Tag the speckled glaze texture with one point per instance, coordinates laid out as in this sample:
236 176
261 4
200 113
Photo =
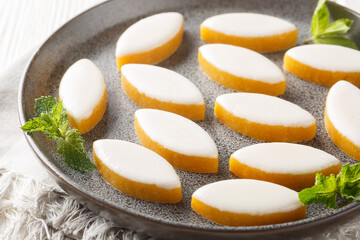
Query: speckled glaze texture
94 35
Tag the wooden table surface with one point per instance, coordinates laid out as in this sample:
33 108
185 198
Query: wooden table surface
24 24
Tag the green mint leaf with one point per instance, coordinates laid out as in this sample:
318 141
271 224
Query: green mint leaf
336 40
340 26
324 33
349 182
42 124
44 105
57 115
324 191
320 19
73 152
51 119
33 125
60 118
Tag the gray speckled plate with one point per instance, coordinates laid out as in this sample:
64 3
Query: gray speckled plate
93 35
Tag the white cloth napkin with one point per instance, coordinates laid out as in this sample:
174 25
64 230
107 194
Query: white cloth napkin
15 153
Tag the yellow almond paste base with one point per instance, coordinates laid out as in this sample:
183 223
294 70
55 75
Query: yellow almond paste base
347 146
238 83
86 125
237 219
259 44
178 160
191 111
155 55
147 192
264 132
296 182
321 77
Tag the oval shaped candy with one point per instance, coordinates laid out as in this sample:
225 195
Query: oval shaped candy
287 164
324 64
342 117
241 69
264 117
156 87
150 40
83 93
137 171
258 32
179 140
246 202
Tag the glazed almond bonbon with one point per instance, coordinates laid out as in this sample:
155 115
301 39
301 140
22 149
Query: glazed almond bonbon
137 171
258 32
150 40
241 69
179 140
287 164
247 202
83 93
265 118
159 88
324 64
342 117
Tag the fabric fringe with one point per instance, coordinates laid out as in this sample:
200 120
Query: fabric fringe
31 209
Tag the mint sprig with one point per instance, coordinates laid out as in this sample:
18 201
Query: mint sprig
51 119
348 182
326 189
324 32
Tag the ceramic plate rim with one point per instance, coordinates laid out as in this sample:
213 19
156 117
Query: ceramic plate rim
51 168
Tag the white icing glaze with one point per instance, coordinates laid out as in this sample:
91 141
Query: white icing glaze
248 196
242 62
162 84
343 109
285 158
264 109
327 57
136 163
248 25
149 33
81 89
176 133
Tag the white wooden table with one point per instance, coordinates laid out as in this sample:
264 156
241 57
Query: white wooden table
24 24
